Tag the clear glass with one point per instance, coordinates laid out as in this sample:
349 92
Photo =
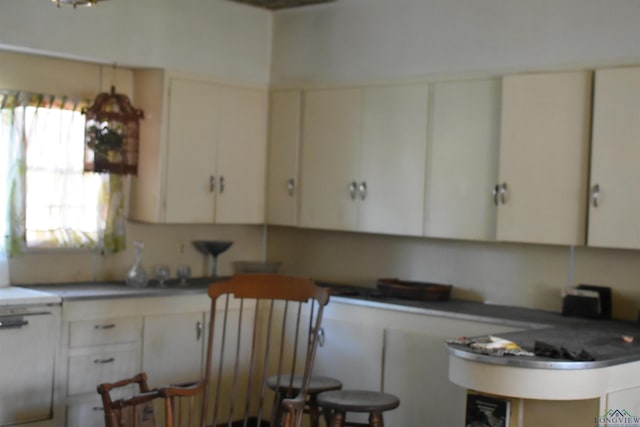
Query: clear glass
183 272
162 273
137 277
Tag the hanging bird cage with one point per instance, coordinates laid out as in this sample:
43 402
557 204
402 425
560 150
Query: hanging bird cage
112 135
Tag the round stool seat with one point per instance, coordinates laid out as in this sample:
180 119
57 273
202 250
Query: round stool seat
316 384
358 401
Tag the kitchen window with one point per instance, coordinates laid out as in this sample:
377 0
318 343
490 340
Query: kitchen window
52 203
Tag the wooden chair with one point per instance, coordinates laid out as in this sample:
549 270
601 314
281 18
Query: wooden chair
260 325
136 411
287 387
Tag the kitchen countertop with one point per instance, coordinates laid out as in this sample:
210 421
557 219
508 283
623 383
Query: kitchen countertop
20 296
77 291
468 310
601 338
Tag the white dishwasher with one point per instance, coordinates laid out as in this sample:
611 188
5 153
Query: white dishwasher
29 333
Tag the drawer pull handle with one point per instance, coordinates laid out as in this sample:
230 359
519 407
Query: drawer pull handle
101 361
98 409
107 326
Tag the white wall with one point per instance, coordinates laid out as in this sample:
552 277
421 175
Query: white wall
213 37
523 275
356 40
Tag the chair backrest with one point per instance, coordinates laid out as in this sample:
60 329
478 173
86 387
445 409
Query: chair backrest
134 411
261 325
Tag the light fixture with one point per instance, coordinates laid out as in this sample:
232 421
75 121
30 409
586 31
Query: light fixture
112 134
75 3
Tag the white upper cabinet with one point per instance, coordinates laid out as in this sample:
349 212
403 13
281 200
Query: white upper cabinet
282 169
330 154
191 152
203 151
614 212
363 156
242 156
544 158
392 163
463 159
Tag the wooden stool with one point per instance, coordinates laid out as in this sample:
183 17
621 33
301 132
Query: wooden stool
342 401
316 385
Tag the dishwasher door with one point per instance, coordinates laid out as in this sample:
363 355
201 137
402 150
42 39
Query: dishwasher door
27 356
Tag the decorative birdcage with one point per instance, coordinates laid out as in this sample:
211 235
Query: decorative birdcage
112 135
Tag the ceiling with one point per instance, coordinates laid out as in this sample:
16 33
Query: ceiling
281 4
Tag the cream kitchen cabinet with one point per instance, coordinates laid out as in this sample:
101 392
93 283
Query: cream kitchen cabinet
202 152
363 159
399 351
544 158
173 340
462 170
97 350
285 108
104 340
416 361
614 211
351 350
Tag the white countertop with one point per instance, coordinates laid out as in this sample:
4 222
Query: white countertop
14 295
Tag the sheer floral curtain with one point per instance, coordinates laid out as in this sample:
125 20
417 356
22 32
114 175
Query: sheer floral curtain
51 202
4 195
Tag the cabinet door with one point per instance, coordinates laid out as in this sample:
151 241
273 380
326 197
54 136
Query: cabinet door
241 156
282 165
463 159
329 166
615 173
191 150
351 352
416 371
392 163
544 157
173 347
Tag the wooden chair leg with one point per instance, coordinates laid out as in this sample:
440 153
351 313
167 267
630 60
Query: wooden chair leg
375 419
276 417
337 419
327 416
314 412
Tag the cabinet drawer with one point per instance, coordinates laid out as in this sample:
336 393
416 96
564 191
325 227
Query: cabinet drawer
104 331
87 371
85 414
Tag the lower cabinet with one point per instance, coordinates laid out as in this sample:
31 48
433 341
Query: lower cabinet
417 369
111 339
401 353
351 350
172 347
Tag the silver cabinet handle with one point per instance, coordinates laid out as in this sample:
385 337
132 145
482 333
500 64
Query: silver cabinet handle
363 190
105 326
212 184
221 184
103 361
595 195
13 322
291 186
496 190
97 409
321 337
352 190
503 192
198 330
